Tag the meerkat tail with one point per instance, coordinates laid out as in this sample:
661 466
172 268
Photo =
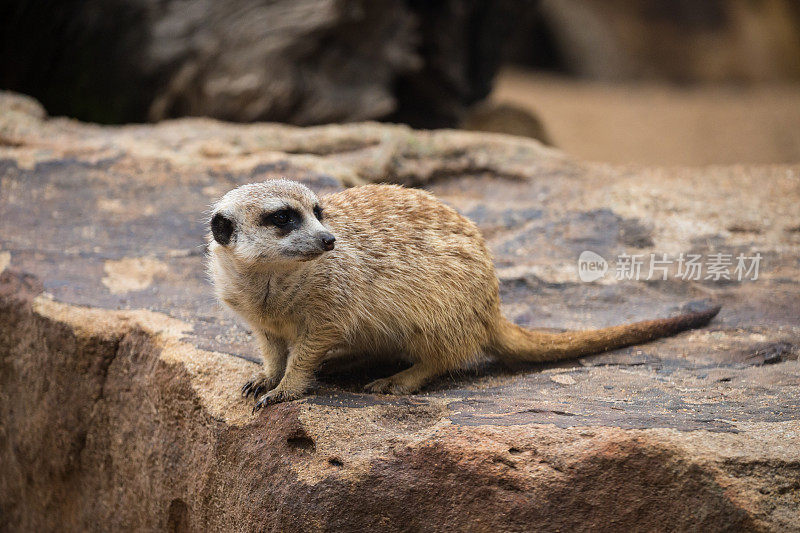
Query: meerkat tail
514 343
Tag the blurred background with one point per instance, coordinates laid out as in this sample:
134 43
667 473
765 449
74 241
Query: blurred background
655 82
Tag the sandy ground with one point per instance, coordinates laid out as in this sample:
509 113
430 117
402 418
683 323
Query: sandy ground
655 124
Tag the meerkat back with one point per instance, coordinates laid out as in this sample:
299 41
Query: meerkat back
419 270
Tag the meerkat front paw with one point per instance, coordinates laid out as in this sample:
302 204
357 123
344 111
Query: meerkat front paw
276 395
261 382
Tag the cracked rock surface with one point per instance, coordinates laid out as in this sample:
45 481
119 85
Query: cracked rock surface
120 375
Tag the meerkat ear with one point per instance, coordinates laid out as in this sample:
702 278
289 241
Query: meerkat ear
222 228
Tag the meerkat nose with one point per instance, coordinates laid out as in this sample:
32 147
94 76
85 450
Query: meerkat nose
327 240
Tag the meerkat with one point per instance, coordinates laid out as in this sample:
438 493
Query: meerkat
375 269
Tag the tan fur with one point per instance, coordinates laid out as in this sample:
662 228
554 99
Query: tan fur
409 276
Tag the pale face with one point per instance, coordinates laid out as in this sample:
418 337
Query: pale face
270 224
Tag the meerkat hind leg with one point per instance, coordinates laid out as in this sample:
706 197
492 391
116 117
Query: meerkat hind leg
405 382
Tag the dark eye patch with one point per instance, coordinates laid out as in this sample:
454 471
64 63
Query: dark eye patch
286 219
318 212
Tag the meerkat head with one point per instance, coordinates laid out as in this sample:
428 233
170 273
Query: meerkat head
269 224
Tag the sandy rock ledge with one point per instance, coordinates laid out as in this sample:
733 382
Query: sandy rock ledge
119 375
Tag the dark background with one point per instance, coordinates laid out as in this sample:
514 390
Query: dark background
425 63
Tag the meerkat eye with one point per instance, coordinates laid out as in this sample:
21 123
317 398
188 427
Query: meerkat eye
279 218
318 212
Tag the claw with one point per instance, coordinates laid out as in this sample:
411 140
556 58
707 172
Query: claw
257 391
262 402
246 389
275 396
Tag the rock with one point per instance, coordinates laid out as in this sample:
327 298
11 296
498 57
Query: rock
564 379
119 374
308 61
297 61
507 118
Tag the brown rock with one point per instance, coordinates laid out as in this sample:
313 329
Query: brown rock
119 409
297 61
505 118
